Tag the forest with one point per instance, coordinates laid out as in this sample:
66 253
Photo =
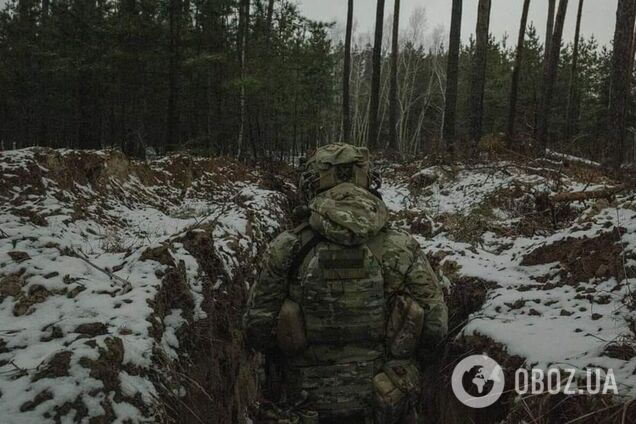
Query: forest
149 168
255 78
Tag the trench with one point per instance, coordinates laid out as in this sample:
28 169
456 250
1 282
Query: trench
221 375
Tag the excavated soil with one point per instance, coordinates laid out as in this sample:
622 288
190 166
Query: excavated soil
221 375
581 259
215 378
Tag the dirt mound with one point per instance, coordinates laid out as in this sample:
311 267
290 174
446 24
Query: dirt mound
581 259
221 376
122 285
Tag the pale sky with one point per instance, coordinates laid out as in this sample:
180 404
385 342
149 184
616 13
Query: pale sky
599 16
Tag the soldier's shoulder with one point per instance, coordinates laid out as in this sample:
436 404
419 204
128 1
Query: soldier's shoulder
282 249
284 241
396 239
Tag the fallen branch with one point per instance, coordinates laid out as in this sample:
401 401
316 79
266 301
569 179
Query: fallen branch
569 158
586 195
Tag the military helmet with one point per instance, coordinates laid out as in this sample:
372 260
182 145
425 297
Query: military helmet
334 164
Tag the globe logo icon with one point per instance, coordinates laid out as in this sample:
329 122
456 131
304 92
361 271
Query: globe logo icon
478 381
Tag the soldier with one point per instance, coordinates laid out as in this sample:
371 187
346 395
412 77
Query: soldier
344 302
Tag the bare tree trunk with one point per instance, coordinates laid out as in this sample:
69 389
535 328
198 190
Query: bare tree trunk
452 71
571 113
549 28
621 78
394 144
374 124
346 79
549 77
514 88
244 19
633 57
270 17
478 83
174 18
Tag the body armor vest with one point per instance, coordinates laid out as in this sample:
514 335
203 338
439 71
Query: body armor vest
340 290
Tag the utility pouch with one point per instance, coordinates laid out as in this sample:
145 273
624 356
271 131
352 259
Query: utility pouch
290 329
404 327
396 390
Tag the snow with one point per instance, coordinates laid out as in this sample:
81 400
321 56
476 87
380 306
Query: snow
85 241
533 328
85 262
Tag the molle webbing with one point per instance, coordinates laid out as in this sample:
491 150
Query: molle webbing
337 389
341 293
343 296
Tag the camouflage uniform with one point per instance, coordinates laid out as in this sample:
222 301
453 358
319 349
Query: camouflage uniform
349 274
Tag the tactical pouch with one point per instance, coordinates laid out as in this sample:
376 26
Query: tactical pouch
404 327
290 330
396 390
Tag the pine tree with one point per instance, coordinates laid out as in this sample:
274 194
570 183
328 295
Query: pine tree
346 78
621 78
244 22
549 28
514 88
549 77
570 120
452 76
393 106
479 74
374 108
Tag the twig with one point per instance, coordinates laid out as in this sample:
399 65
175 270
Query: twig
625 408
125 284
525 405
195 383
178 399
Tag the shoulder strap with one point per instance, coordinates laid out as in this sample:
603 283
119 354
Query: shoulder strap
309 240
376 246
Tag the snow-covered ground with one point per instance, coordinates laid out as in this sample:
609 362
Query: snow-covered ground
106 263
562 298
98 274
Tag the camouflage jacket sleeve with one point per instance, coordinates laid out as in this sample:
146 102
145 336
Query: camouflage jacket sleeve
269 292
412 273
